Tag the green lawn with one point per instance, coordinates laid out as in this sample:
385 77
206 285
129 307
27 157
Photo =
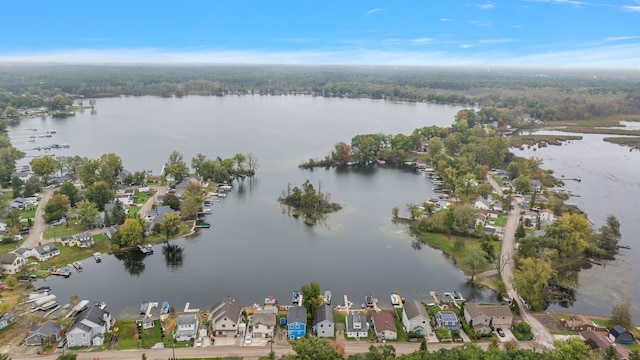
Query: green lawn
69 254
62 230
501 221
142 197
9 245
127 335
471 248
150 337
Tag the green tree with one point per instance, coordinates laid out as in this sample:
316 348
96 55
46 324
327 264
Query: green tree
190 207
172 201
530 279
32 186
130 233
88 172
176 166
311 297
313 348
44 167
435 146
573 348
11 281
381 352
170 225
86 212
56 208
520 232
474 264
59 102
110 165
16 185
71 191
118 214
522 184
395 211
99 193
621 314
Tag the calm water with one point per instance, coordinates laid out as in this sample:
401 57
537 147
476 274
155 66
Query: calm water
610 186
253 248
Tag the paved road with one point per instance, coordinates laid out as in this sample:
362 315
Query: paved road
542 335
144 209
39 225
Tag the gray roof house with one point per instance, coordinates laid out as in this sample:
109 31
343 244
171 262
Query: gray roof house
111 231
155 215
415 317
186 327
6 320
620 335
224 317
11 263
263 322
357 325
485 317
43 252
323 322
448 320
84 240
45 333
89 327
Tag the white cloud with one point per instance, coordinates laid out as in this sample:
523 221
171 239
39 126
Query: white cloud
486 6
495 41
446 19
632 8
483 23
372 11
620 38
421 40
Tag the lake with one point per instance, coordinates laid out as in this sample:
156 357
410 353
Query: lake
254 248
610 185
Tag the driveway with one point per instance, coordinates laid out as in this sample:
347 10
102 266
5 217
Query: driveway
39 225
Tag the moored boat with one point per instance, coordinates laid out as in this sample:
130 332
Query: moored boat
395 299
97 257
295 297
77 265
164 309
143 307
327 297
368 300
270 300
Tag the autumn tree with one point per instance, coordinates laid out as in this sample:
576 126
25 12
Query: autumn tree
176 166
311 297
129 234
86 212
110 165
99 193
70 190
530 279
44 167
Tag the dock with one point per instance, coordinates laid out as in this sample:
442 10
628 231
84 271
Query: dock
435 297
188 310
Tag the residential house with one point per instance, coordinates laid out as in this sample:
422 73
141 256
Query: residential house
186 327
536 186
45 333
579 323
599 341
546 217
42 252
323 322
263 322
384 325
531 216
6 320
17 203
448 320
415 317
11 263
357 325
111 231
224 317
67 240
297 322
486 318
122 175
620 335
154 216
84 240
89 327
59 180
482 203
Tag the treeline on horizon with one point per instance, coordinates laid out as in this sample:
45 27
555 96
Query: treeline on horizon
546 94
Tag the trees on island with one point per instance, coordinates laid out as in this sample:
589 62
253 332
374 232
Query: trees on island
308 202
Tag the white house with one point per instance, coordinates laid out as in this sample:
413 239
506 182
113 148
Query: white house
42 252
357 326
323 321
263 322
415 317
186 327
224 317
11 263
89 327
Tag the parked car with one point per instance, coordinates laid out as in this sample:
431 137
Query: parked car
24 278
24 230
199 342
500 332
62 343
247 341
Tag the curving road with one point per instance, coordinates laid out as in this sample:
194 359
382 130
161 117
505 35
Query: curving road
542 335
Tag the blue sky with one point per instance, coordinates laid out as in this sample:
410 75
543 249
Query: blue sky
416 32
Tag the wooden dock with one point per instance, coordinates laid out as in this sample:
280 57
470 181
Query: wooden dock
435 297
188 310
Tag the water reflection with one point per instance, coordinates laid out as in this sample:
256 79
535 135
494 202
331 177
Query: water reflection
133 261
173 256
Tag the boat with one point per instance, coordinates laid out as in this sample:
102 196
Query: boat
77 265
203 225
97 257
327 297
146 250
395 299
143 307
270 300
164 309
295 297
368 300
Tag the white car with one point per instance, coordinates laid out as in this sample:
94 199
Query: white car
247 341
199 342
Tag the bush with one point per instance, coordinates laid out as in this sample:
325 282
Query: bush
522 331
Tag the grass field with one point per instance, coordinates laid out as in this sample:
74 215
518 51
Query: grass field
458 254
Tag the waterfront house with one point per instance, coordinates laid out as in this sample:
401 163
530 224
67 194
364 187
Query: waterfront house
11 263
89 327
531 216
323 322
154 216
6 320
448 320
45 333
620 335
415 317
84 240
599 341
67 240
224 317
186 327
485 318
579 322
384 325
297 322
263 323
357 326
111 230
42 252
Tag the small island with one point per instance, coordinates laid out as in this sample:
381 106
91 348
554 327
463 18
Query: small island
307 202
